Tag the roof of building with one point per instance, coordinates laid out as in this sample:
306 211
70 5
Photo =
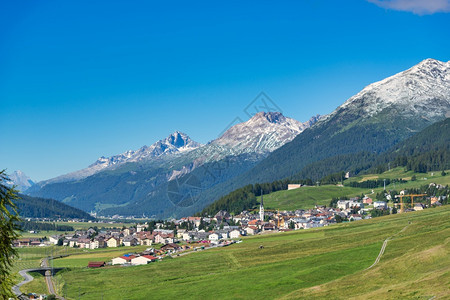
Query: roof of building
150 257
96 264
128 257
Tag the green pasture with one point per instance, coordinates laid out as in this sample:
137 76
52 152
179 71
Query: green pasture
324 263
307 197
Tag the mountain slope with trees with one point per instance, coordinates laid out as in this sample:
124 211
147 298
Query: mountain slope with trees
429 148
34 207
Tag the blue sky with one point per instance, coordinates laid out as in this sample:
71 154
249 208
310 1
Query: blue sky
79 80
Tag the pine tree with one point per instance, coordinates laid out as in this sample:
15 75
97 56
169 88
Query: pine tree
8 233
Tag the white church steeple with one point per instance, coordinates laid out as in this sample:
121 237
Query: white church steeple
261 208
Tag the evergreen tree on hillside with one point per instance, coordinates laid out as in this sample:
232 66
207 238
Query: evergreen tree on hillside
8 233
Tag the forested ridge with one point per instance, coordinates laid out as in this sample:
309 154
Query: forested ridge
34 207
428 150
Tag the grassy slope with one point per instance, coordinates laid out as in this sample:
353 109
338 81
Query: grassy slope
106 254
307 197
38 285
325 262
30 257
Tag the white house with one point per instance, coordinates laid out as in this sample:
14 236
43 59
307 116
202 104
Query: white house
379 205
235 234
130 241
146 242
53 239
112 242
293 186
342 204
142 260
213 237
122 259
141 227
251 230
118 261
186 236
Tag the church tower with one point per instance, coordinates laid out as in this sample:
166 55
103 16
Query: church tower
261 209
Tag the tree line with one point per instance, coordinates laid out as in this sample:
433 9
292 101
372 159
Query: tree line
41 226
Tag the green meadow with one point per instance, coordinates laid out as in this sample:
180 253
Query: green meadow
31 257
105 254
328 262
307 197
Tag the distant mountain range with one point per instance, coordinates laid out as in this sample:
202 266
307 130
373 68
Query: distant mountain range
112 185
177 176
20 180
175 144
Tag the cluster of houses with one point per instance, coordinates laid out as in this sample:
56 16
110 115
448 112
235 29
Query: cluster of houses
148 256
131 236
218 228
27 242
249 223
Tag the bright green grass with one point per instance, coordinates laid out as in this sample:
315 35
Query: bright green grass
30 257
87 225
105 254
307 197
289 265
42 234
37 285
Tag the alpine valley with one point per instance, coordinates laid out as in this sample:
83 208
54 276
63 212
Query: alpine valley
177 176
153 177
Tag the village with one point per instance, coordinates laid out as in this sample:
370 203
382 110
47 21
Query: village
190 234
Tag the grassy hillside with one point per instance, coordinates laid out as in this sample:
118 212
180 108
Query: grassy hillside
307 197
328 262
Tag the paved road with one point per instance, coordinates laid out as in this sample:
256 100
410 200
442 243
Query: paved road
27 278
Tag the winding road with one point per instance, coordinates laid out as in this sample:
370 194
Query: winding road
27 278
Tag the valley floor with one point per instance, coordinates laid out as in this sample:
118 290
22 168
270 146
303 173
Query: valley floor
329 262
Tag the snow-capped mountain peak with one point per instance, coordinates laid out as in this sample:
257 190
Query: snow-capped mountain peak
255 138
423 90
176 143
20 180
264 132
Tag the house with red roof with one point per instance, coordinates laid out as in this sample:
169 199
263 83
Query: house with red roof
143 260
125 259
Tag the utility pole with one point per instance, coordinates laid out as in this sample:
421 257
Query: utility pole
384 184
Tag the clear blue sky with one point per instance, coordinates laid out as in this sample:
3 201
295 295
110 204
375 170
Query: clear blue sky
79 80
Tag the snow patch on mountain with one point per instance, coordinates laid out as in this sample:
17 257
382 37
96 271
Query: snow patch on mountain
20 180
263 133
423 89
175 144
257 137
